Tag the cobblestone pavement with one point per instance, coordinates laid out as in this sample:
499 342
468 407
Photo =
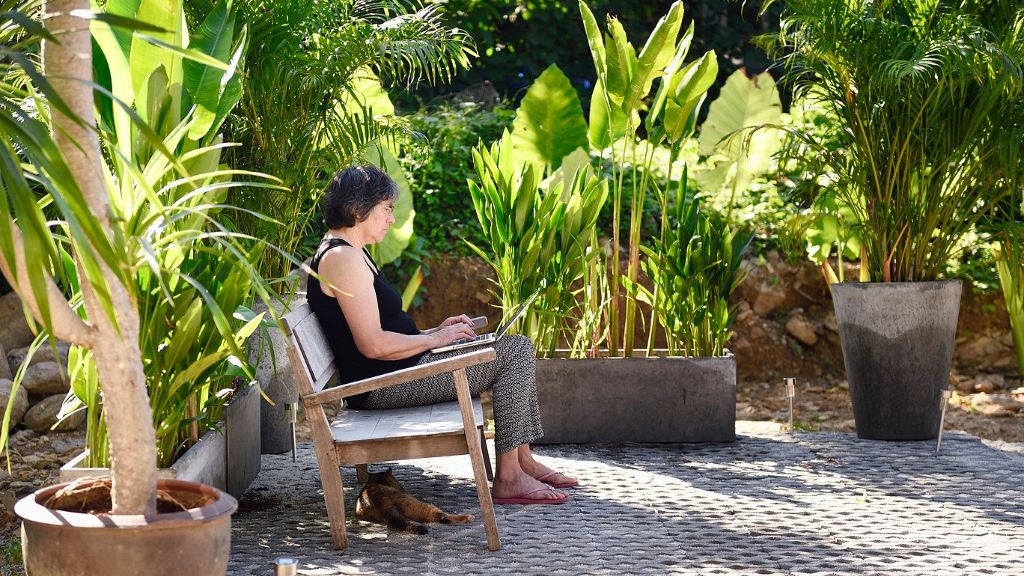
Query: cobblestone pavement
770 503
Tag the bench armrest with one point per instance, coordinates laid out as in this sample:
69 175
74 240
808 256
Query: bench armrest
401 376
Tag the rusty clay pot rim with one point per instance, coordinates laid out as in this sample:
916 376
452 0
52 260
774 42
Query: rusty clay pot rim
30 510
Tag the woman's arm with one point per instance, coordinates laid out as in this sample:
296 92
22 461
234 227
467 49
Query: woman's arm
344 268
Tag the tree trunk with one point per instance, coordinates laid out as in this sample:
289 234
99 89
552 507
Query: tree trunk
68 66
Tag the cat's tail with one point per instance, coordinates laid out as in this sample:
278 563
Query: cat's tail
395 520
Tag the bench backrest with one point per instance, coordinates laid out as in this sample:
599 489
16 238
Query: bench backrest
311 353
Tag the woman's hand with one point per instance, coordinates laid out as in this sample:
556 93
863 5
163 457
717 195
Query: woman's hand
449 331
453 320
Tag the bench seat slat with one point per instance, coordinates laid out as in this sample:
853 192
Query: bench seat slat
354 426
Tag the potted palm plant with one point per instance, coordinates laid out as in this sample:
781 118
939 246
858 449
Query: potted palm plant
54 174
919 89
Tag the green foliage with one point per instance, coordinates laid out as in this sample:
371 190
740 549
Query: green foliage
539 234
624 80
516 36
305 113
919 89
549 123
187 273
438 170
695 268
735 155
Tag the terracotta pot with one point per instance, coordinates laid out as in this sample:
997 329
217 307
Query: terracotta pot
58 543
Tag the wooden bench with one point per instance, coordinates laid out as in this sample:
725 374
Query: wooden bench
360 437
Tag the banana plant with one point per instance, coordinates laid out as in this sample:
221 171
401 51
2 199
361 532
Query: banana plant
624 82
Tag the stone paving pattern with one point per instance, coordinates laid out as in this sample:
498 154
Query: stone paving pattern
770 503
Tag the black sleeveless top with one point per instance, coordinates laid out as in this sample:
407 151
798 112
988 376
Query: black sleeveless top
351 364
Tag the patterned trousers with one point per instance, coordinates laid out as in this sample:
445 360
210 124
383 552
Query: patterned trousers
510 377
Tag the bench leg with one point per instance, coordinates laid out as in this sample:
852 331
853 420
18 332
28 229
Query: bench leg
362 473
487 456
334 490
483 490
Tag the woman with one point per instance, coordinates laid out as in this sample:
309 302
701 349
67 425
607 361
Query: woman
370 335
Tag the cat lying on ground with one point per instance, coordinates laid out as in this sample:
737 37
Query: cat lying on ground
383 501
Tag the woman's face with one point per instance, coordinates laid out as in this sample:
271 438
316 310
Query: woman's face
379 220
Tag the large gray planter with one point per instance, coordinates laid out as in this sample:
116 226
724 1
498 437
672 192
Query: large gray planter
637 399
268 352
228 460
897 343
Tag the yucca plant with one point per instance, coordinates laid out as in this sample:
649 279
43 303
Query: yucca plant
919 87
306 111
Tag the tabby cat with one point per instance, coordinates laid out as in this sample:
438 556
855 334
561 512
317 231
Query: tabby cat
383 501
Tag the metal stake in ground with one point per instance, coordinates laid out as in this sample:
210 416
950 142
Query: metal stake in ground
942 418
285 566
791 393
292 409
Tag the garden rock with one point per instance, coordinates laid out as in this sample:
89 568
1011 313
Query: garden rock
44 354
989 350
798 327
20 400
989 382
768 299
42 417
14 330
5 367
46 379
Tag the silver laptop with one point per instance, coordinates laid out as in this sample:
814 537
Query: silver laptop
492 337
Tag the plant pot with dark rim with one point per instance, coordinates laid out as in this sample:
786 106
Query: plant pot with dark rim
897 341
195 541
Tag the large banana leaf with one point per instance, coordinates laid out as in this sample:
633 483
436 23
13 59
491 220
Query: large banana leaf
204 84
146 56
737 155
549 122
400 233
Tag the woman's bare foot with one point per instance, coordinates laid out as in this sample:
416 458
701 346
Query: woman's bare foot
546 475
526 487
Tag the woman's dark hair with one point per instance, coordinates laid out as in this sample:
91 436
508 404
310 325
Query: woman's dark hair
353 194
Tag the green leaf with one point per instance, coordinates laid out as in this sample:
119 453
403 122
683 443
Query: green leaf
148 51
654 57
743 103
202 82
687 90
549 122
605 127
594 41
621 63
398 236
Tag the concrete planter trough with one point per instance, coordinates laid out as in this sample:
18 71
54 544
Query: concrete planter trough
658 399
228 460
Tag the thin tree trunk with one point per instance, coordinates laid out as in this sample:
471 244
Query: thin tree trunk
68 66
